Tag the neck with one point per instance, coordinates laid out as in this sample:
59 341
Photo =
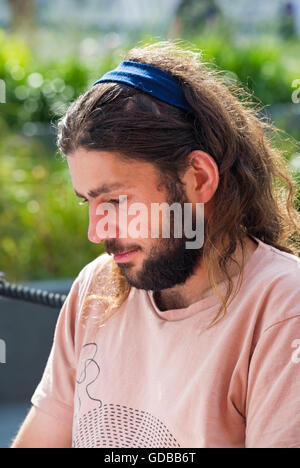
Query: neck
198 287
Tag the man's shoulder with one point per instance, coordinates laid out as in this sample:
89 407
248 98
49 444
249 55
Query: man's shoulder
290 260
98 262
95 272
280 267
97 288
277 283
102 263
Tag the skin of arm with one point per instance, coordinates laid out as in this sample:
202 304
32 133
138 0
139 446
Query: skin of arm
40 430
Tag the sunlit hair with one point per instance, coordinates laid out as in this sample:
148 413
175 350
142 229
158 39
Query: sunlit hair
256 192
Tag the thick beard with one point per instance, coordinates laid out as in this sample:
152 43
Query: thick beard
169 263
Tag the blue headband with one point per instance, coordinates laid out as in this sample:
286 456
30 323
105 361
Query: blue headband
151 80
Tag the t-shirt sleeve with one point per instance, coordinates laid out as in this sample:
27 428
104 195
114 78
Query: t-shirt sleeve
55 392
273 398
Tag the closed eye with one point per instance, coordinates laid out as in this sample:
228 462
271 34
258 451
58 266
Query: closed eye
117 201
114 200
83 202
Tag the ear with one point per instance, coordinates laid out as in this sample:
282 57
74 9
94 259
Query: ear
201 177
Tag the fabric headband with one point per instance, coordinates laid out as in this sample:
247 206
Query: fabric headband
151 80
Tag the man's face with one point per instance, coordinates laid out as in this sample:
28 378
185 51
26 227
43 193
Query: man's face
157 263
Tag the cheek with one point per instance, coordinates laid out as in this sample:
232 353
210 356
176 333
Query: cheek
145 223
133 221
144 220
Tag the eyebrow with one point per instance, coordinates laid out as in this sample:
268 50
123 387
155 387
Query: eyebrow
105 188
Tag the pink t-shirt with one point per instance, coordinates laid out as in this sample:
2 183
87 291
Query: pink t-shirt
163 379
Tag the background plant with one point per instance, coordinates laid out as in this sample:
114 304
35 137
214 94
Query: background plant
43 231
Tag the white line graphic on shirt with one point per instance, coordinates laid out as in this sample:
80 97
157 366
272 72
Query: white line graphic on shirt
83 376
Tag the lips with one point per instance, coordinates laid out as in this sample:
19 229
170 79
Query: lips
125 256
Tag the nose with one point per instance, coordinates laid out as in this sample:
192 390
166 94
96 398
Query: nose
97 223
92 234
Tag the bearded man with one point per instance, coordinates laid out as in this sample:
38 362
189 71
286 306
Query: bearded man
165 341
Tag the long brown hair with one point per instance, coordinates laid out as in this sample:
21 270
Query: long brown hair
255 183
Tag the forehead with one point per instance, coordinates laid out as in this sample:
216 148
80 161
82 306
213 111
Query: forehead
90 169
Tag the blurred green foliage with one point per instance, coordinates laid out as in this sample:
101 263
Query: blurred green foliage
266 68
43 231
40 91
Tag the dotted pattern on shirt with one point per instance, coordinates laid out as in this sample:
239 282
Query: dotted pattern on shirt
118 426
